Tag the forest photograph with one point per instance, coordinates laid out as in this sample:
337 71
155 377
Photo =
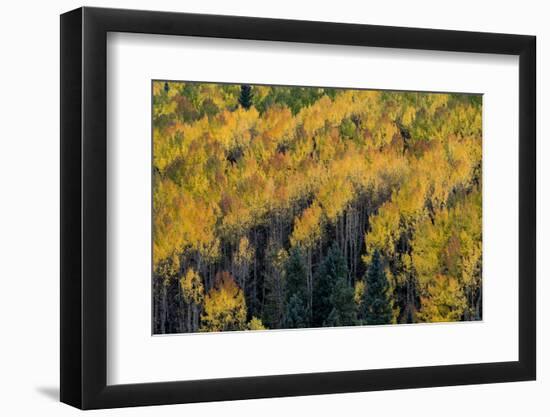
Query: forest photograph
284 207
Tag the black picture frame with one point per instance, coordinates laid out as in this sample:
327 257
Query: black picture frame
84 207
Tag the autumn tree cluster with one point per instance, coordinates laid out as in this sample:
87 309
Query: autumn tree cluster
290 207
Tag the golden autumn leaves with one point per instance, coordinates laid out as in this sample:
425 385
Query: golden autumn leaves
237 190
225 307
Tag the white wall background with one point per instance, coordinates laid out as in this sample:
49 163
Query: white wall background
29 208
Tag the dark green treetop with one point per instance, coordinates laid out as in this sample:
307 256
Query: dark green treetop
376 307
245 99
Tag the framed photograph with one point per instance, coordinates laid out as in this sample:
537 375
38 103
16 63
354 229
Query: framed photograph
257 208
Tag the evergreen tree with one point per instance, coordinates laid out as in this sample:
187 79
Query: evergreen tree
343 305
295 271
245 99
376 307
333 319
332 270
296 313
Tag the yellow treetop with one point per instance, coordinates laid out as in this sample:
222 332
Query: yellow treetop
224 306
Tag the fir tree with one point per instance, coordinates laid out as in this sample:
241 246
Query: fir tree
296 313
245 99
376 307
343 306
295 272
333 319
332 269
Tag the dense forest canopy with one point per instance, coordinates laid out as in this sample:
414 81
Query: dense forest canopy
293 207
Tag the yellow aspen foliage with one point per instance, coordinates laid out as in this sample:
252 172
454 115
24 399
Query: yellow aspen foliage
224 306
386 170
334 196
435 102
313 117
256 324
359 292
158 87
384 231
448 252
408 115
182 223
396 172
245 252
444 301
236 215
428 244
191 287
260 92
470 259
411 198
168 267
242 259
307 227
277 123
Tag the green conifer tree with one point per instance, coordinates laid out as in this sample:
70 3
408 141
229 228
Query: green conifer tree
344 311
332 269
376 307
245 99
296 314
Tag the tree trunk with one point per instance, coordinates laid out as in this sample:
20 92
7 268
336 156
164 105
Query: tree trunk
163 309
